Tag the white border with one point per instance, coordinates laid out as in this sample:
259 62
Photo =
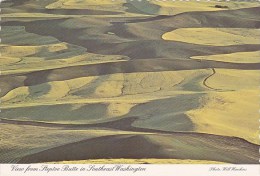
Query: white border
147 170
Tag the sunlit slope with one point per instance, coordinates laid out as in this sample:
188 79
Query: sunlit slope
234 106
221 113
92 4
234 80
214 36
239 57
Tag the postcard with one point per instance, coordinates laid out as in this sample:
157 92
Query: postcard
130 87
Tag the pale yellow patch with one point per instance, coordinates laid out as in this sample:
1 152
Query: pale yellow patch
72 4
118 109
228 79
8 60
229 114
111 87
18 94
79 82
233 110
58 90
46 91
57 47
18 51
33 65
21 51
239 57
152 82
176 7
214 36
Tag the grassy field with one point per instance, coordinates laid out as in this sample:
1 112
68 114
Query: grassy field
91 81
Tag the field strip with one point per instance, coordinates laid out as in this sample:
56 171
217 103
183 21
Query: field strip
127 99
51 67
236 57
214 36
125 126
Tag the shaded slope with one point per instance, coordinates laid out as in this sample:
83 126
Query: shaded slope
151 146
